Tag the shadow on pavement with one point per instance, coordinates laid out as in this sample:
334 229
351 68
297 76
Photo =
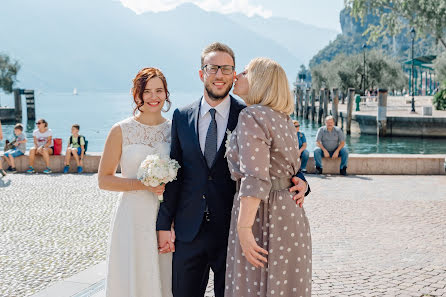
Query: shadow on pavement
4 184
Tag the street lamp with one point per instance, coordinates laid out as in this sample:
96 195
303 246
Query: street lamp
412 34
364 46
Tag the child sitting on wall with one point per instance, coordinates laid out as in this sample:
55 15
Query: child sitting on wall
76 147
18 150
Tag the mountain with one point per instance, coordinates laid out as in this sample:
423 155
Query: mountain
100 45
352 38
300 39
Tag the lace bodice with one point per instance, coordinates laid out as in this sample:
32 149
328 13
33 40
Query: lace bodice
139 140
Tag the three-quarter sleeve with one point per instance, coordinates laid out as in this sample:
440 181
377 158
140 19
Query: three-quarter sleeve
254 152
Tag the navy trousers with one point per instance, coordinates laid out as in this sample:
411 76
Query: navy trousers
192 261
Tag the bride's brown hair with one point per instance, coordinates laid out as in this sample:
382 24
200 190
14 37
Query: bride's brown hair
139 84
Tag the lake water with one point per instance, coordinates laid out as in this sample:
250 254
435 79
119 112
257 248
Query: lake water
97 112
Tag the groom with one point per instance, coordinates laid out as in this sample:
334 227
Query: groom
199 202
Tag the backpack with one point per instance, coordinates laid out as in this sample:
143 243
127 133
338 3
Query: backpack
85 140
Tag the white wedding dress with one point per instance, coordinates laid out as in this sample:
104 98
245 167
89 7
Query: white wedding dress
134 267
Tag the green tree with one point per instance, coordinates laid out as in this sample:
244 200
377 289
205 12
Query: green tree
428 17
8 73
319 76
345 72
440 68
439 100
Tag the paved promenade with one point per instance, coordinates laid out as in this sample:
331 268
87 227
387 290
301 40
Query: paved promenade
372 235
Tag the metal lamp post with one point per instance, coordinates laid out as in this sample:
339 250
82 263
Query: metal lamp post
364 46
412 34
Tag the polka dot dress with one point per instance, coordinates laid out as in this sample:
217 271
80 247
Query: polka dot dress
263 148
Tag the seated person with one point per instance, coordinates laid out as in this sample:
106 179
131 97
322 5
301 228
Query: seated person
303 152
18 150
76 147
43 145
330 141
2 172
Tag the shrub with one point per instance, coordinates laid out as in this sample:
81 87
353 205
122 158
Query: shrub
439 101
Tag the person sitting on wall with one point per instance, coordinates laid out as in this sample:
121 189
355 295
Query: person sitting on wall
43 145
18 149
76 147
303 152
330 141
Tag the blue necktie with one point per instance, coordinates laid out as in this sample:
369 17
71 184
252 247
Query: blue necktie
210 146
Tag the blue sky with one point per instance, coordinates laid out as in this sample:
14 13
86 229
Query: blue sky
321 13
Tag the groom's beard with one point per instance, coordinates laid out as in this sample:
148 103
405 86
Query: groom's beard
217 97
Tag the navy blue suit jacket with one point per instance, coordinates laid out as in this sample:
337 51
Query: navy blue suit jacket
196 185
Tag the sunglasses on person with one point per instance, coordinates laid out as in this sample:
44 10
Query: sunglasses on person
296 126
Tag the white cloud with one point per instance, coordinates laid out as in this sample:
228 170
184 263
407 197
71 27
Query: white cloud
222 6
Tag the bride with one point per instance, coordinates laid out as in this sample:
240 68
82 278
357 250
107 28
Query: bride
135 267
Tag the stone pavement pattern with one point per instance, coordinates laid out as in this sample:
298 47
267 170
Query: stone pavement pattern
378 235
51 227
372 235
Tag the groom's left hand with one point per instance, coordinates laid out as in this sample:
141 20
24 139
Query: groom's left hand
300 187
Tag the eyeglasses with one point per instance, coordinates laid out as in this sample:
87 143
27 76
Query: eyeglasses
38 123
296 126
213 69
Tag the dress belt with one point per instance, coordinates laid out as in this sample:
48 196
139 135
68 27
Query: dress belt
277 184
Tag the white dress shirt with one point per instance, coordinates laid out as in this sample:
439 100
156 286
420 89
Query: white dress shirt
221 116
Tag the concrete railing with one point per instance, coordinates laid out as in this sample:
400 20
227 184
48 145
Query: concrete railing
91 163
371 164
382 164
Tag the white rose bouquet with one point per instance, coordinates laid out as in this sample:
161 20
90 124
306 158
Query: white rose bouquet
157 170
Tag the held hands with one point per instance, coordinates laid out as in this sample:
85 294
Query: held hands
300 187
250 247
166 241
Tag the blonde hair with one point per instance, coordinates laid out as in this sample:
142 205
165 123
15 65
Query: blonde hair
268 85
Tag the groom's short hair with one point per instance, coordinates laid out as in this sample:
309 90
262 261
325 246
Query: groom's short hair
216 47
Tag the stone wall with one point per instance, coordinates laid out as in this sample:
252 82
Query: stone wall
404 126
371 164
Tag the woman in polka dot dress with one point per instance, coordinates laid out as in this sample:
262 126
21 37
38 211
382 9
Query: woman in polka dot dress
269 250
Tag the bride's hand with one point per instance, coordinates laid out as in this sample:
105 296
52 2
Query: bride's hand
159 190
165 243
